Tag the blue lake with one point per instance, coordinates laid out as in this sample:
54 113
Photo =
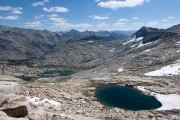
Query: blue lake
126 98
56 73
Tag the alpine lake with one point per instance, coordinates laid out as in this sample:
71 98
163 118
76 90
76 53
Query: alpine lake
125 97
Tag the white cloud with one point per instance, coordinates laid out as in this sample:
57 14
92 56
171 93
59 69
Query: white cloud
152 23
5 8
148 0
164 20
166 25
33 24
59 22
14 10
39 16
12 17
120 24
82 25
171 17
17 10
102 24
116 4
63 23
45 0
97 0
137 24
135 18
123 20
99 17
56 9
40 3
53 15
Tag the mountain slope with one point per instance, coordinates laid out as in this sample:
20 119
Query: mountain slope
174 29
153 34
16 43
19 43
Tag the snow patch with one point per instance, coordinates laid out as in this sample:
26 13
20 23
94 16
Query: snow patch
133 46
90 41
112 50
139 39
148 50
169 102
35 101
178 51
120 69
149 43
100 78
178 43
133 40
141 44
170 70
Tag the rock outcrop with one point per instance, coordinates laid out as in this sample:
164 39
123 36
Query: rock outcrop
9 87
17 107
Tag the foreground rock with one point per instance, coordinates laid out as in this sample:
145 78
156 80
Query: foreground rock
2 101
4 116
9 87
38 114
17 107
9 78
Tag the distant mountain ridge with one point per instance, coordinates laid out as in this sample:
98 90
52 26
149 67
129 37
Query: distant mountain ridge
174 29
107 35
20 43
150 34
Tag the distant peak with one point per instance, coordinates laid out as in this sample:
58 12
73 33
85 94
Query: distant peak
73 30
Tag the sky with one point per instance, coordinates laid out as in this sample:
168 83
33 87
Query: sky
63 15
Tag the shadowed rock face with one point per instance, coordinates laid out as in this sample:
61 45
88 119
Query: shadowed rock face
153 34
174 29
20 111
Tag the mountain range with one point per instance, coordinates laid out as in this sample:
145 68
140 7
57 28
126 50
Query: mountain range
88 49
19 43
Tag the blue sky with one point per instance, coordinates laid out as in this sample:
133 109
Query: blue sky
62 15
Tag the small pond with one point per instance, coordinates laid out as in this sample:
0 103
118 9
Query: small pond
26 78
56 73
126 98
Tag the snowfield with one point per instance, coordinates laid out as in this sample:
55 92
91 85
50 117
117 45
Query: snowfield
170 70
35 101
133 40
149 43
169 102
139 39
120 69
